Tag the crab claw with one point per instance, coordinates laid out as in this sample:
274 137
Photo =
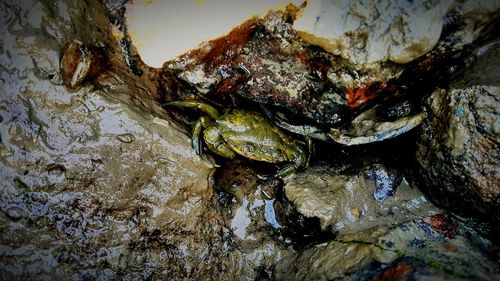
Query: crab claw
196 143
367 128
267 177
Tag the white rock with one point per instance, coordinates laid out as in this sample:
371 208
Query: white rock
162 30
366 31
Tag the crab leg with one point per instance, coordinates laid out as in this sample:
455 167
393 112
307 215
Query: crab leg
300 160
196 140
207 109
290 168
305 130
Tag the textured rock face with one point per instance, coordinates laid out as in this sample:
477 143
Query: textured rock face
97 183
85 176
458 160
458 151
373 31
348 202
402 237
367 32
404 231
360 256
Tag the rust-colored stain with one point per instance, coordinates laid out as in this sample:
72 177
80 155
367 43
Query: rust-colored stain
443 224
450 247
317 65
229 85
219 51
358 96
401 271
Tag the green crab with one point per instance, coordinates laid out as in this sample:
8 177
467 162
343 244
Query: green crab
246 133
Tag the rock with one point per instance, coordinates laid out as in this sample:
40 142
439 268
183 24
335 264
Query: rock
346 201
330 260
458 162
408 270
368 32
385 180
265 61
160 32
73 196
99 183
407 249
443 224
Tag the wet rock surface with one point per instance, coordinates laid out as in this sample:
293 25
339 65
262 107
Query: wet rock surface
231 65
368 32
404 235
347 201
97 183
458 162
370 254
409 239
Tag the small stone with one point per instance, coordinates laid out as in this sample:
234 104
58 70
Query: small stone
356 213
126 138
385 180
80 63
55 167
399 271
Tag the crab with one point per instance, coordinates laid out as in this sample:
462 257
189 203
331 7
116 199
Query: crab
248 134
